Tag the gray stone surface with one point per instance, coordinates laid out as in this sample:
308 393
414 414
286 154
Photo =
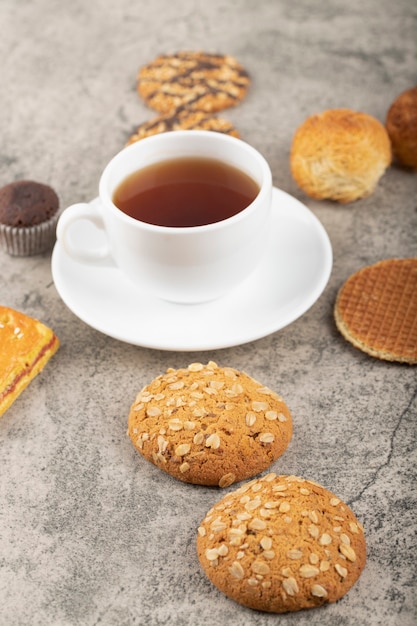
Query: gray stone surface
89 532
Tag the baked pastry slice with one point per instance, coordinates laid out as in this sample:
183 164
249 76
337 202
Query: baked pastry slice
26 347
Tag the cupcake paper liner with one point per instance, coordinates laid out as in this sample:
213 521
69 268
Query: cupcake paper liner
29 240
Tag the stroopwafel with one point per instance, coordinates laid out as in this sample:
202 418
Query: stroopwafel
376 310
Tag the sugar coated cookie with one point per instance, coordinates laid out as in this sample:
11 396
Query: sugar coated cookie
339 155
199 80
209 425
376 310
281 543
183 119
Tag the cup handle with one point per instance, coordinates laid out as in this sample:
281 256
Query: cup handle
77 213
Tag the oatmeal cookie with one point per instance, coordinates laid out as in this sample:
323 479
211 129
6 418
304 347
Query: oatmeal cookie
209 425
281 543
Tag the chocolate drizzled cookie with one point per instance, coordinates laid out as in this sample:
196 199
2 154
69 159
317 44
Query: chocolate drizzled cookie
183 119
199 80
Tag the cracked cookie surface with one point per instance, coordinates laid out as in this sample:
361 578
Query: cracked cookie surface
209 425
281 543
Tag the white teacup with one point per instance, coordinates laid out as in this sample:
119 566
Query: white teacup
180 264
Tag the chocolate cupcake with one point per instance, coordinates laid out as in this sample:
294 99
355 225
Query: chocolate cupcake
28 217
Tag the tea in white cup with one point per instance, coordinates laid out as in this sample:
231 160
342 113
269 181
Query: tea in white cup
185 214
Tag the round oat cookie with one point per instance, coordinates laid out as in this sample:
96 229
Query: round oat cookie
281 543
209 425
199 80
183 119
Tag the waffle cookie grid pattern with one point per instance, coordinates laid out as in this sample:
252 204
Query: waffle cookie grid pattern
376 310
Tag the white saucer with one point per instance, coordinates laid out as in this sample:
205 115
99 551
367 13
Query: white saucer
291 277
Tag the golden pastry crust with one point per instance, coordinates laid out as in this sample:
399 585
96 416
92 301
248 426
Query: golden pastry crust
198 80
209 425
339 155
26 347
183 119
401 124
281 543
376 310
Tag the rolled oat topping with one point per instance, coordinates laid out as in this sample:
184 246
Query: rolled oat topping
299 560
212 425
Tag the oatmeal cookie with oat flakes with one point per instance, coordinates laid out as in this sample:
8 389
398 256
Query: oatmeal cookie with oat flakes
281 543
209 425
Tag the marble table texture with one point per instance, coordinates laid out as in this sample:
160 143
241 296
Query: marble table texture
90 533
